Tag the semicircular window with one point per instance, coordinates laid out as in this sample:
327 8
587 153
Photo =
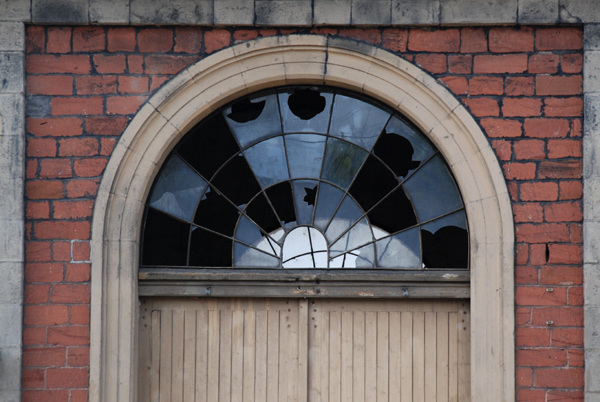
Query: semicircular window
305 177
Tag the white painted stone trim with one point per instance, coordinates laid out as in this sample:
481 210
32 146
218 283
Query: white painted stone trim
267 62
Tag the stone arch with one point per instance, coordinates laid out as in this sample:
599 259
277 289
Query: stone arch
299 59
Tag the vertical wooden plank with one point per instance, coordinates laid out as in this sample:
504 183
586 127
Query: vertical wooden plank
237 354
303 323
358 353
418 356
249 355
383 354
347 357
166 328
371 356
335 345
145 352
225 356
325 345
177 356
292 345
442 356
315 381
395 358
189 355
213 355
406 352
201 353
430 380
272 355
260 387
155 367
453 356
464 356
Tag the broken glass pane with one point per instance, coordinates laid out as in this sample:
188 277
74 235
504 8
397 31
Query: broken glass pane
342 162
305 155
373 182
305 193
348 213
267 160
328 199
245 256
209 249
252 120
400 251
446 242
413 153
305 110
165 240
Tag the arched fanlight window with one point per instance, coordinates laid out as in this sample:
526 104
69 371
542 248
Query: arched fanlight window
305 178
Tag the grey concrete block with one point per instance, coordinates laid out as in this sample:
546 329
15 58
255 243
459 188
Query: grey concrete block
591 37
416 12
57 11
538 11
591 229
332 12
11 72
12 36
371 12
15 10
591 71
592 396
171 12
234 12
38 106
592 363
591 282
478 12
283 12
10 368
579 11
11 285
11 240
109 11
11 115
10 325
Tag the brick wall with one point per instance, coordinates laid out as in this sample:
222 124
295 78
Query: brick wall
523 86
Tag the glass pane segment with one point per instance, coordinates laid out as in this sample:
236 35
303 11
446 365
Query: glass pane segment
305 192
247 232
216 213
433 191
177 190
348 213
252 120
165 240
357 236
357 121
305 110
363 257
342 162
328 199
236 181
261 212
400 251
393 214
281 197
305 155
267 160
374 181
249 257
401 147
304 247
208 249
446 242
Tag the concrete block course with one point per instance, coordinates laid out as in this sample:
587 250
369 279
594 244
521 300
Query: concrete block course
332 12
15 10
12 36
371 12
172 12
283 12
11 70
416 12
57 11
109 11
538 11
229 12
478 12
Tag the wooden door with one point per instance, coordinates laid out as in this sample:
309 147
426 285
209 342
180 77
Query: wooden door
299 350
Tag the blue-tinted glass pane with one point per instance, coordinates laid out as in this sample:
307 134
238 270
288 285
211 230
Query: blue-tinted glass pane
177 190
305 193
342 162
305 155
267 160
247 257
400 251
247 232
433 191
305 110
252 120
363 257
402 148
328 199
446 242
357 236
348 213
357 121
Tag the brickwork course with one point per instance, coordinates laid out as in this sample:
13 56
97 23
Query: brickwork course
523 86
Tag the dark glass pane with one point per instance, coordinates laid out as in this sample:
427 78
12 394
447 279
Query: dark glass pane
357 236
433 191
305 155
247 232
305 110
446 242
165 240
267 160
261 212
363 257
252 120
357 121
249 257
400 251
374 181
216 213
348 213
410 154
280 196
208 249
394 213
208 146
342 162
328 199
305 192
236 181
177 190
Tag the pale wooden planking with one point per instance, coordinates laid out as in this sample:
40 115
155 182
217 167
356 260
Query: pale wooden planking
261 356
453 357
225 356
358 368
315 340
154 380
418 361
395 358
347 356
145 346
303 322
442 357
335 365
272 355
189 355
202 356
166 332
464 356
383 354
177 342
430 379
249 355
237 354
214 332
371 356
406 351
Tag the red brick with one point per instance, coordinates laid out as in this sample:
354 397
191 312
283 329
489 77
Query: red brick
44 189
37 294
69 336
519 171
501 127
531 395
560 170
458 85
559 39
31 167
541 233
49 85
72 209
576 127
54 126
500 64
157 82
55 168
541 357
96 85
576 232
537 254
89 39
44 357
521 107
33 378
121 39
135 64
61 251
151 40
78 147
558 149
529 212
525 275
107 145
482 107
546 128
565 254
473 40
80 313
70 294
543 63
532 336
111 125
571 63
565 396
133 85
249 34
110 64
522 254
510 40
440 40
519 86
35 37
522 315
460 64
561 85
560 316
79 395
57 64
524 377
367 35
563 107
316 31
67 378
486 86
76 106
46 315
37 210
395 40
576 296
81 188
34 336
559 378
124 104
59 40
552 275
529 149
567 337
563 212
77 272
89 167
43 273
216 39
81 251
167 64
503 149
545 191
434 63
62 230
539 296
51 395
78 357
